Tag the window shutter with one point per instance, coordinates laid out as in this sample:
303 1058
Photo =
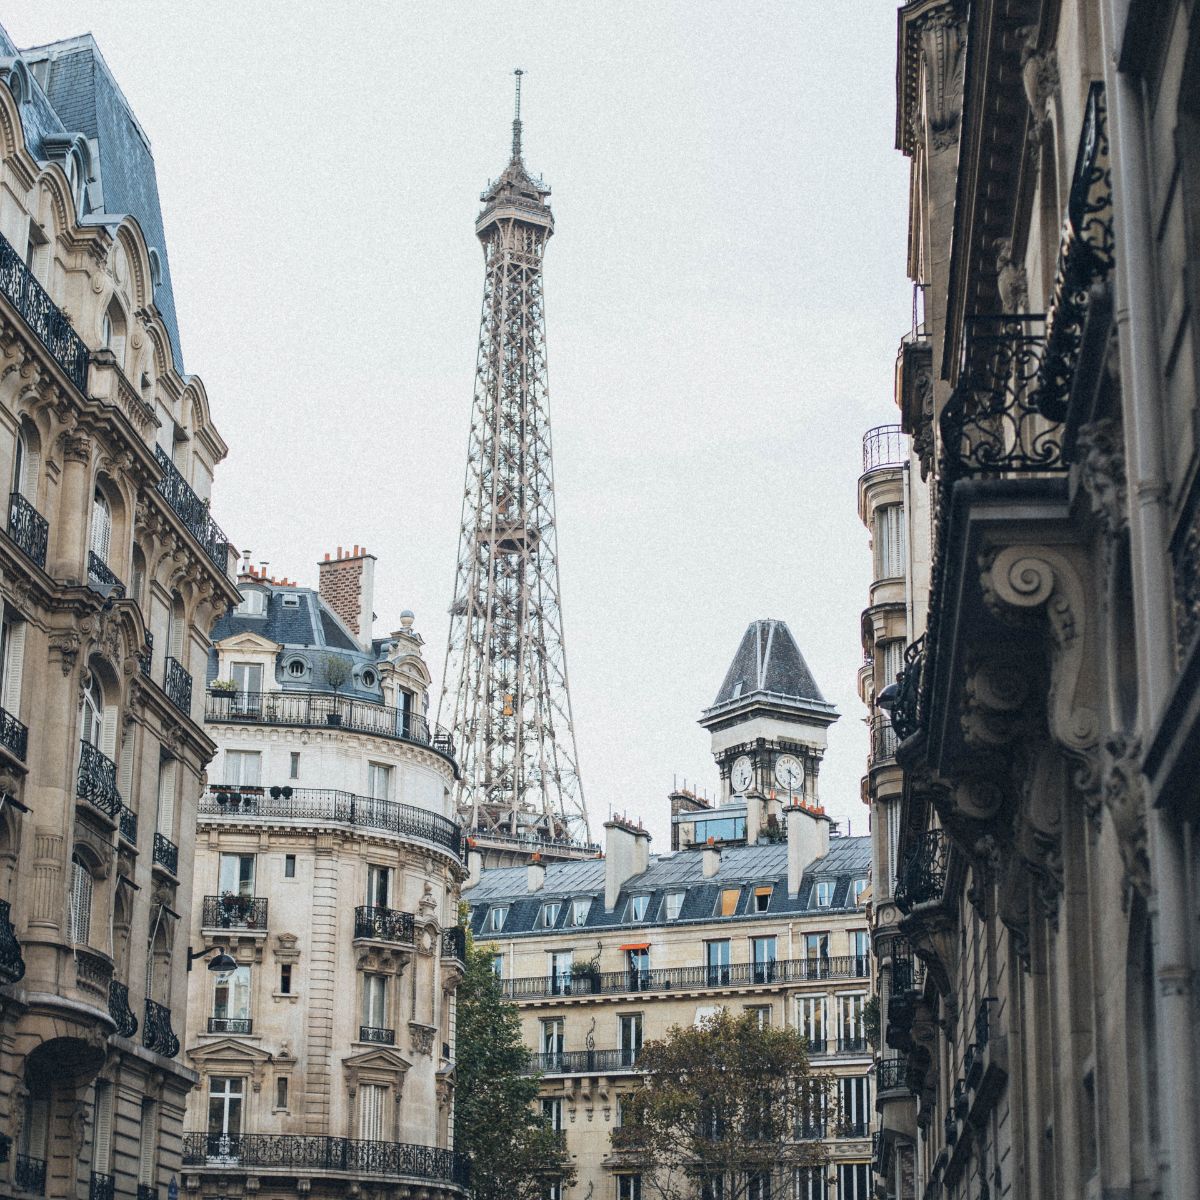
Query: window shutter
125 767
81 903
101 528
37 1126
166 797
893 660
108 733
102 1127
146 1147
370 1113
14 663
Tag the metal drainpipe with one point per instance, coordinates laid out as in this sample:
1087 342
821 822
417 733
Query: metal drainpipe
1144 461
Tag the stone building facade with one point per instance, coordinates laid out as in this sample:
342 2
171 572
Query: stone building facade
328 867
1036 936
759 909
111 574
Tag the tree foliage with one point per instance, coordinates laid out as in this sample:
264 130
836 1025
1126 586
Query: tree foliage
512 1152
721 1105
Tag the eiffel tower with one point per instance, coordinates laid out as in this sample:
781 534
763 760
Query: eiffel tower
505 694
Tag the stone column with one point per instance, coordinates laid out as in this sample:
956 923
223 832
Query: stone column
322 987
68 541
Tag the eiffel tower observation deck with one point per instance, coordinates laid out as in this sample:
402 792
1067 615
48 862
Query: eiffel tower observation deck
505 693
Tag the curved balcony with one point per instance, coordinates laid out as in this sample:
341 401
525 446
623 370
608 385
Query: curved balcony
313 805
923 874
883 741
119 1010
884 448
97 782
454 943
157 1034
30 1174
298 1154
315 710
101 578
177 683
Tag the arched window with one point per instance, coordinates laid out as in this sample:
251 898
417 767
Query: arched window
112 331
176 629
80 916
92 729
101 525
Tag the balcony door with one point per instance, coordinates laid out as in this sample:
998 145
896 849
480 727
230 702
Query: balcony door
225 1094
371 1106
854 1101
637 962
716 961
379 885
236 875
763 949
248 679
630 1034
560 963
810 1021
852 1031
553 1039
231 1003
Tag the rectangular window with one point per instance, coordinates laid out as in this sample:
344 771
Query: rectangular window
236 874
762 899
289 866
761 1014
378 886
810 1021
294 768
716 960
371 1100
857 888
720 829
762 951
860 951
379 781
496 918
559 963
852 1033
637 907
285 979
816 945
166 798
225 1105
854 1104
147 1141
637 962
548 917
281 1092
728 902
758 1187
822 893
247 676
629 1187
552 1113
889 542
553 1035
673 905
375 1001
102 1127
854 1179
629 1033
893 661
243 767
81 902
810 1183
231 997
580 907
12 659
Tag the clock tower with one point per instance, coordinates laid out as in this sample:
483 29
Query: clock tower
769 721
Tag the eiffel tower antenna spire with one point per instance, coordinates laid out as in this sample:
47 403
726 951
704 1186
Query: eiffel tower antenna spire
505 692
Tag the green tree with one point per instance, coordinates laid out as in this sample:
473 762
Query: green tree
722 1108
513 1153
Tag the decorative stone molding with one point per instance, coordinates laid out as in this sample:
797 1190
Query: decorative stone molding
943 48
422 1037
1039 74
1102 470
65 645
1011 280
1125 799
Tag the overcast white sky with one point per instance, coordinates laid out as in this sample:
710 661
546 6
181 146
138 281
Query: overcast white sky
724 295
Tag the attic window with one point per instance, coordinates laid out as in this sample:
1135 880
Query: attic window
253 604
297 668
822 896
291 601
856 890
367 678
729 900
674 905
762 899
637 907
496 918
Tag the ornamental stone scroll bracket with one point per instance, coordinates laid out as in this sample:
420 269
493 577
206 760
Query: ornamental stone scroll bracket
1026 584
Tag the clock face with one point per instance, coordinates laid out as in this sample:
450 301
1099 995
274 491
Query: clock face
742 775
789 772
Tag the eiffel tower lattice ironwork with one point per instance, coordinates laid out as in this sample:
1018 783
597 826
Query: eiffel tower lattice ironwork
505 692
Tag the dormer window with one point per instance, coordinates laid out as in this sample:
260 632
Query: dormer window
673 905
254 604
548 917
297 668
857 888
637 907
496 918
367 678
580 907
822 896
762 899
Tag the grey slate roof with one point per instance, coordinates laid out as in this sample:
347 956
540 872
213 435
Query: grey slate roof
745 867
768 660
81 96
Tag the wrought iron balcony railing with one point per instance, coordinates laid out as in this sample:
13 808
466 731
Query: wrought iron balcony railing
97 782
157 1034
883 741
102 1187
884 446
798 970
376 1033
313 805
1085 257
146 657
454 943
100 573
237 1025
14 736
583 1062
843 1047
119 1010
383 924
192 511
127 822
304 1154
305 709
234 911
30 1174
12 965
44 318
166 853
177 683
891 1075
907 712
923 875
28 528
147 1191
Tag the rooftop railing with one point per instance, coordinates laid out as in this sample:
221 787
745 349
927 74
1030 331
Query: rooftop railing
306 709
667 979
303 1154
192 511
328 804
47 321
884 446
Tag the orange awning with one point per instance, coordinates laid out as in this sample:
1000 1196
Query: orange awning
636 946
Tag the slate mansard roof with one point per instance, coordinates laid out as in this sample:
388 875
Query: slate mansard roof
73 92
744 867
297 619
768 660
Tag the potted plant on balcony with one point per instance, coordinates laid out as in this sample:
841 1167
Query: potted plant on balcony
337 673
585 976
234 907
220 693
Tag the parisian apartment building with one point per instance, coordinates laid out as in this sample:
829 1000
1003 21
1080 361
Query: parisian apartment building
112 572
757 908
1033 628
328 866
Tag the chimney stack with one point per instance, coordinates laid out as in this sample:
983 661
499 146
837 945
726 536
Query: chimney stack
807 840
710 861
626 854
536 875
347 585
